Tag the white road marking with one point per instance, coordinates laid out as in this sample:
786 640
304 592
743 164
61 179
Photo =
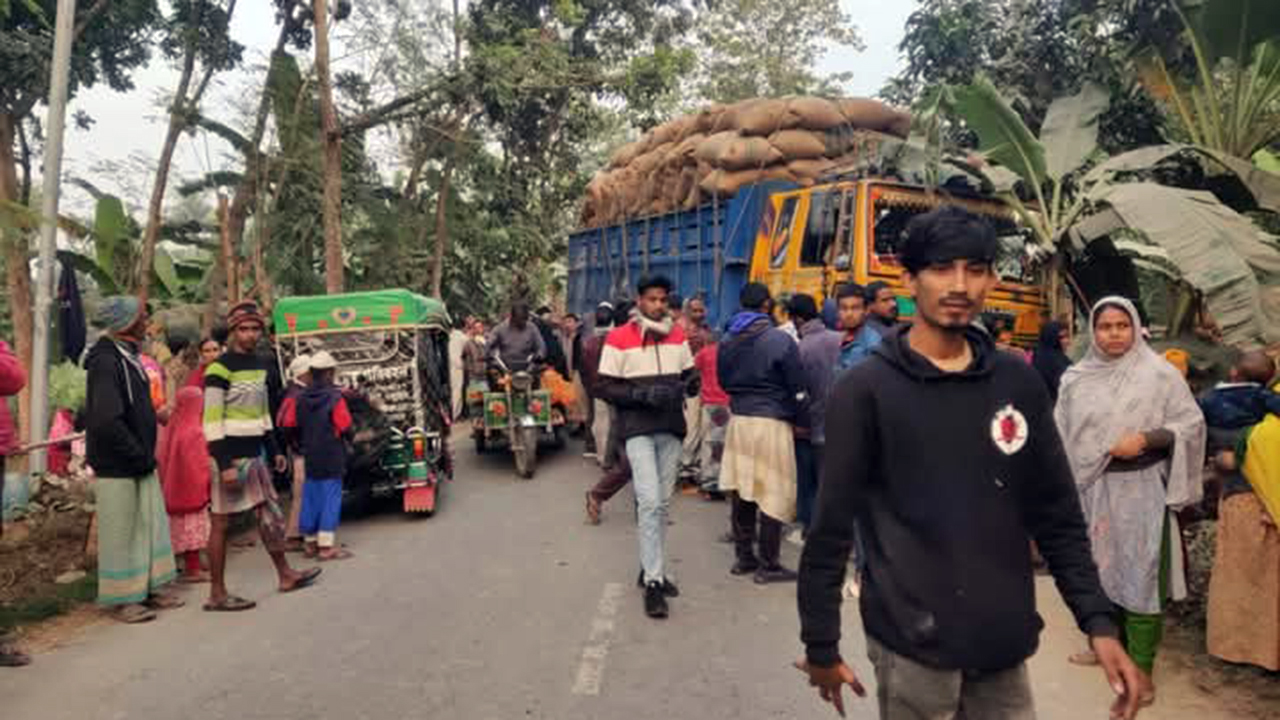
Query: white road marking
591 669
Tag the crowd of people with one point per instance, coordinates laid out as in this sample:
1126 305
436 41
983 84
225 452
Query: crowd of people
957 464
1090 461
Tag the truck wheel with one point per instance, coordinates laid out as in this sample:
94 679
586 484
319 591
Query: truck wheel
526 456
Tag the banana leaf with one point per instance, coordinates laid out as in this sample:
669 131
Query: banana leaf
1002 135
1070 130
1233 28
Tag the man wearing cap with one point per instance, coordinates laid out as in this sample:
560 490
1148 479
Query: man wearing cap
299 380
238 427
323 423
135 558
948 600
646 371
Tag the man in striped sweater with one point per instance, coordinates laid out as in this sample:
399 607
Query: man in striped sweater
237 426
646 372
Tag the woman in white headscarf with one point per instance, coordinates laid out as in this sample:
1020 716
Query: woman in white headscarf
1136 441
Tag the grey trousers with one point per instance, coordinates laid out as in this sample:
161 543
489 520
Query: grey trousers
908 690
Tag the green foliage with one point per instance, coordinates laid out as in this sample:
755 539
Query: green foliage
770 48
67 383
1225 96
1034 52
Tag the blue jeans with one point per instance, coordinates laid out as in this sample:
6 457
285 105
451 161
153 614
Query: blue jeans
655 462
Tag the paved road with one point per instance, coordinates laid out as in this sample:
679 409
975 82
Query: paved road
505 605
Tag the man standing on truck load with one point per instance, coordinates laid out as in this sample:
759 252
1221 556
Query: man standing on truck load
516 340
759 366
882 307
646 371
948 601
241 435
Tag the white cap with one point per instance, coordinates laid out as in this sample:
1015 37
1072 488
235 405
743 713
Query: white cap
323 361
300 366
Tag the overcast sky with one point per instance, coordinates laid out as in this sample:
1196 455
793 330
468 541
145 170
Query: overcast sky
118 153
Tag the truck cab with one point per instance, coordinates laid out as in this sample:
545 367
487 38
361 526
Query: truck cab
812 239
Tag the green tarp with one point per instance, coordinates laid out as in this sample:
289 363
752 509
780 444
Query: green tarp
377 309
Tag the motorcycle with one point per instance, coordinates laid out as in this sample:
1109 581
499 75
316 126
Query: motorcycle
519 414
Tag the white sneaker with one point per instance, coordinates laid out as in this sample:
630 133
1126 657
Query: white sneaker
796 537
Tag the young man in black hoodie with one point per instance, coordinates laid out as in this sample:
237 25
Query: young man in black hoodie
948 600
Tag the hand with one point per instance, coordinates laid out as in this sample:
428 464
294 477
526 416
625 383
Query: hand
282 464
830 681
1130 446
1126 680
231 477
1226 461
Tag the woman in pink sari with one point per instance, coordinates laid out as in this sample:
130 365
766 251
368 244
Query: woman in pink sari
183 457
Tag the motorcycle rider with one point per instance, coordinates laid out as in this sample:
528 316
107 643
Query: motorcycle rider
515 340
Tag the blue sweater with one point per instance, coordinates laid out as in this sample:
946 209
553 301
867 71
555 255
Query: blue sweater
759 367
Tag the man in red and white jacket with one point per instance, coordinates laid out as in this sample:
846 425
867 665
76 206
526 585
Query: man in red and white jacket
646 372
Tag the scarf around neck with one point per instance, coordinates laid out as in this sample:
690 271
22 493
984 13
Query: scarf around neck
657 328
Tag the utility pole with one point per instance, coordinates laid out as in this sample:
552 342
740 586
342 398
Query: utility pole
55 123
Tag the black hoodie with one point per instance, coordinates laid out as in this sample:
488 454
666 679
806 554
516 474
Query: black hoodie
120 423
946 475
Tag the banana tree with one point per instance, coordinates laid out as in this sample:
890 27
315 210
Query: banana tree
1044 165
1229 101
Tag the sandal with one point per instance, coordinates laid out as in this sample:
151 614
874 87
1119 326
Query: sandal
306 579
230 603
164 602
133 614
335 554
294 545
1086 659
13 658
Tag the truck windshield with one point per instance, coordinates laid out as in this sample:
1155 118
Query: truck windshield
894 210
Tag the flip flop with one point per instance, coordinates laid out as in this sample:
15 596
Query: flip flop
13 658
339 554
230 603
133 614
307 579
164 602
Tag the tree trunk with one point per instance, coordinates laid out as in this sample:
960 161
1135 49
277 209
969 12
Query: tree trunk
332 208
442 227
177 123
230 265
16 265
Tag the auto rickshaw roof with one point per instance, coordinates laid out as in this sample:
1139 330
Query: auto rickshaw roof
352 312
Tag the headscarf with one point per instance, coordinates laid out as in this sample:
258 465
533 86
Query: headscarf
183 456
116 313
1050 358
1101 399
1179 359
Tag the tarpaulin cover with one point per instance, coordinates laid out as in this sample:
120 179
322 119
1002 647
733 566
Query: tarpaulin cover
377 309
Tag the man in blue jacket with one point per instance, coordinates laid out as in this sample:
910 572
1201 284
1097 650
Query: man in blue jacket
759 367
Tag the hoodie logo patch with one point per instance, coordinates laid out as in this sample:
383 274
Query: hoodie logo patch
1009 430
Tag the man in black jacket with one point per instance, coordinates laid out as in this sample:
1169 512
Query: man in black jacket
759 367
135 559
945 453
646 371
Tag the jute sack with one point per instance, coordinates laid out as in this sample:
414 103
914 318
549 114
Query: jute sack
708 118
765 117
725 183
815 113
709 150
623 156
868 114
809 169
799 144
747 153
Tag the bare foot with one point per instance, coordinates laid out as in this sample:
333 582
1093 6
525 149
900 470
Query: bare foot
195 578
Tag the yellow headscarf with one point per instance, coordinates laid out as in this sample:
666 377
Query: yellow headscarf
1179 359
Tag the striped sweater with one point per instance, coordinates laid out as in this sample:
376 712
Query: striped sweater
632 361
237 412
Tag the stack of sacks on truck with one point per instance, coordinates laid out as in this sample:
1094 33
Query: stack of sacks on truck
691 159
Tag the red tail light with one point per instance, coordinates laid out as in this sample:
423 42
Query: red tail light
419 447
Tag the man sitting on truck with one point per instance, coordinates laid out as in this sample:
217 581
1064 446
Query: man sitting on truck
516 340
